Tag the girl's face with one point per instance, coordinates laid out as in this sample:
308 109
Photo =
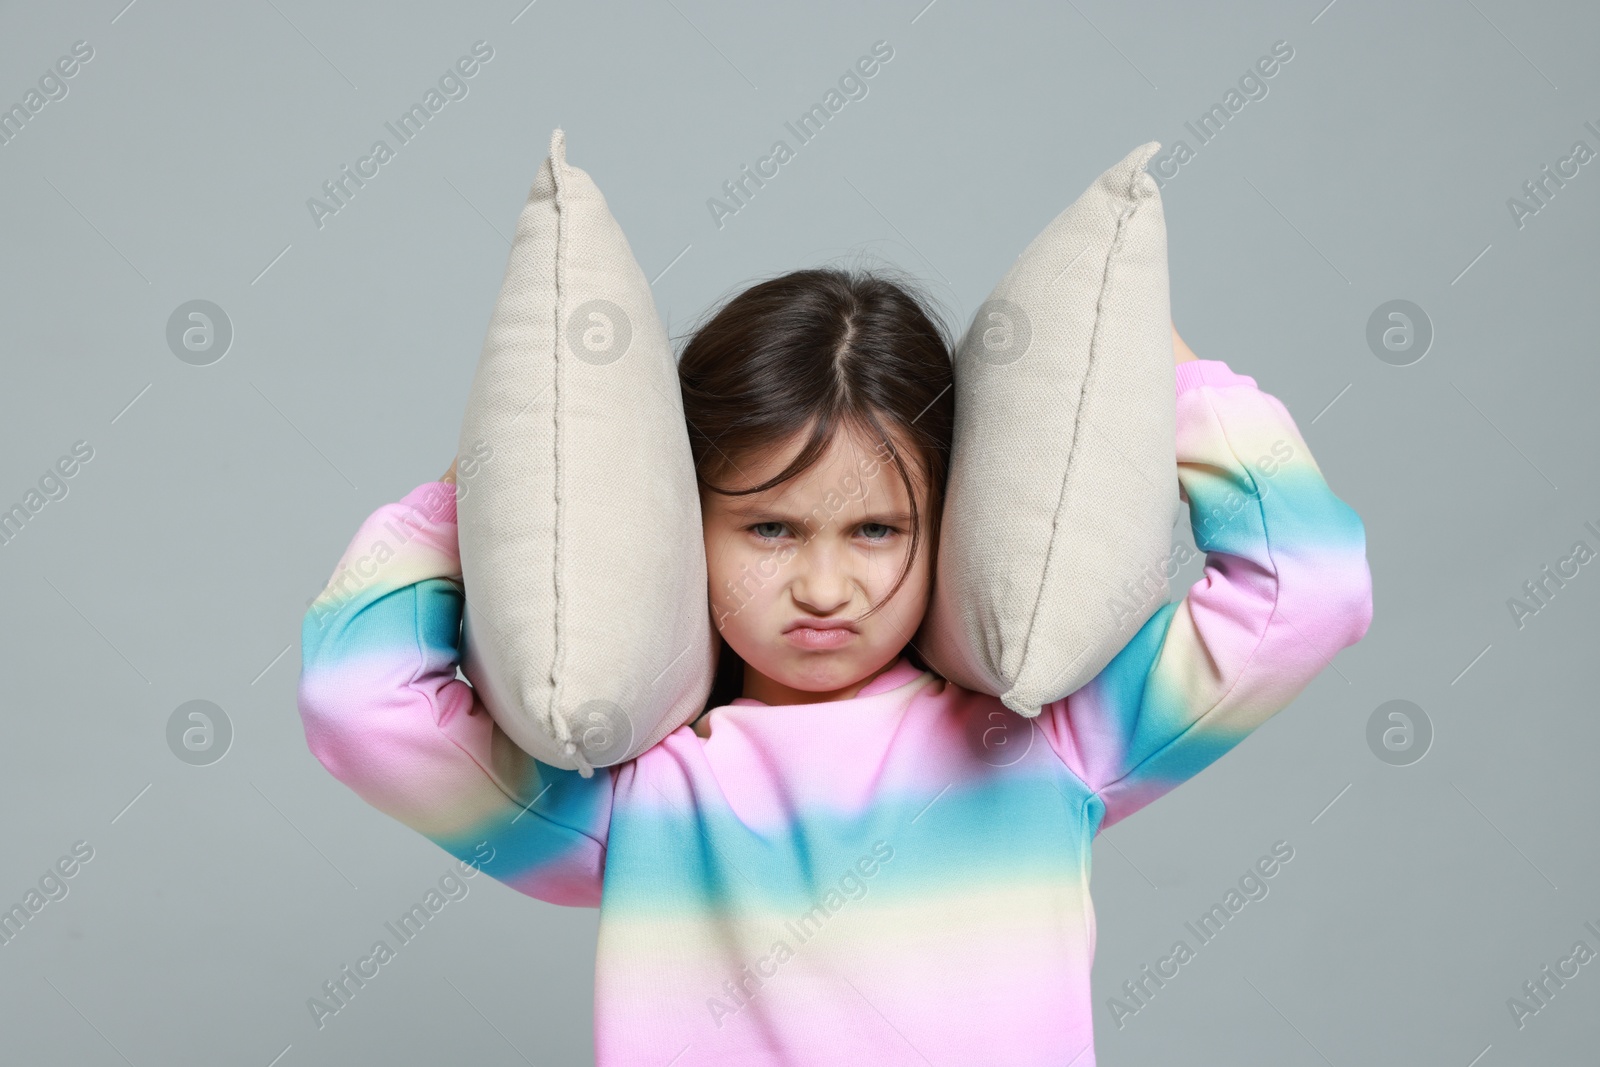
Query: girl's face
793 569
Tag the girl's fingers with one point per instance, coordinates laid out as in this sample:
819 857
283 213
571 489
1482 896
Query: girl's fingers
1181 353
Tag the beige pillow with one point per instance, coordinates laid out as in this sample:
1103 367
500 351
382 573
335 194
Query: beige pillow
586 631
1063 484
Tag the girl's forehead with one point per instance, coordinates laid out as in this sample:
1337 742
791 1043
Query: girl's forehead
853 465
848 446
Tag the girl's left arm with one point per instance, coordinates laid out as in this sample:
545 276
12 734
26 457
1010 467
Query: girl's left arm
1286 586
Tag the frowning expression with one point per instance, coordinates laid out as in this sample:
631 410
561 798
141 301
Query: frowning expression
794 569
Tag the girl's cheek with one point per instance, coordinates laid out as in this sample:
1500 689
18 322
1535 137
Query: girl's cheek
717 571
732 572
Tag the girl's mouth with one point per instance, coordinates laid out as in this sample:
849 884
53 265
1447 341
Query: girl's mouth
810 637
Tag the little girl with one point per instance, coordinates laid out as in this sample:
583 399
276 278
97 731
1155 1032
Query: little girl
846 858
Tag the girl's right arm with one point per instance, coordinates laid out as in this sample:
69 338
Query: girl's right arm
385 713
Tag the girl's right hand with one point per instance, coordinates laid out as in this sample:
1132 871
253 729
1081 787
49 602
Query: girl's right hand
386 713
450 475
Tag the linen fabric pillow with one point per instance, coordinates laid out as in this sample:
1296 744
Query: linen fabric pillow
587 632
1063 485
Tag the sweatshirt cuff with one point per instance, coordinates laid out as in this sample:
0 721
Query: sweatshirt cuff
436 500
1215 372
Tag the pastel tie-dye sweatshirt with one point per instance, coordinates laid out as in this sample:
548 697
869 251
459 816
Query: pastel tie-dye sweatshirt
898 878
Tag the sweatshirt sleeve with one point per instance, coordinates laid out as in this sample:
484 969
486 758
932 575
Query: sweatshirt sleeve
385 713
1286 586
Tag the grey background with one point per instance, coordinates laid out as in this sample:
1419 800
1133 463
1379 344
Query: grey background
219 497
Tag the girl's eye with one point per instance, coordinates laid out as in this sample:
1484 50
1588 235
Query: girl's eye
876 532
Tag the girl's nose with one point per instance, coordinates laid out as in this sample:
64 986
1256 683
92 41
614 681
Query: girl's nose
821 585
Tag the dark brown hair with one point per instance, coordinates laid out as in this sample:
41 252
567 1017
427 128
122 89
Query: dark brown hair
836 350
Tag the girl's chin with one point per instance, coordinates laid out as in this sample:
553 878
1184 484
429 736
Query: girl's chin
815 672
820 672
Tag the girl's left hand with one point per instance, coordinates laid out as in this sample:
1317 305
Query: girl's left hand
1181 353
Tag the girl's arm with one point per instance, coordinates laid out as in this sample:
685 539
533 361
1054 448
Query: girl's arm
385 713
1286 586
